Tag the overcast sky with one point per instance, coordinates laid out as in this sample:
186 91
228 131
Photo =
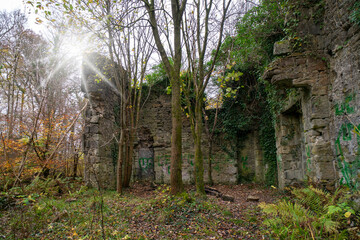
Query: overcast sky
10 5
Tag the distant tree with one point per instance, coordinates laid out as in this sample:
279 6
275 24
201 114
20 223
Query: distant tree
36 98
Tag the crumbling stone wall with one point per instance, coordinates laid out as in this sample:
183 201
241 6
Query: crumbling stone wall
345 95
155 121
99 144
321 118
153 145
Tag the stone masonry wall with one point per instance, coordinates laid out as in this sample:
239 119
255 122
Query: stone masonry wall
153 145
345 95
99 144
316 132
155 122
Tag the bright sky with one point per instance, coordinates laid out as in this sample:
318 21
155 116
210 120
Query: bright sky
10 5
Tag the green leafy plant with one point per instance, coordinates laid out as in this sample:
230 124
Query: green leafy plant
311 214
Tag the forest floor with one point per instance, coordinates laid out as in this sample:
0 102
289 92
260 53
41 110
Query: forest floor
77 212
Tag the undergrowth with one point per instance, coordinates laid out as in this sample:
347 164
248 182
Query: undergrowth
311 213
78 212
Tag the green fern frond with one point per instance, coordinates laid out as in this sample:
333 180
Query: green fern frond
330 226
312 198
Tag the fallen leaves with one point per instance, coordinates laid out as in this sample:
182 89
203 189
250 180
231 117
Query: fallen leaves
144 214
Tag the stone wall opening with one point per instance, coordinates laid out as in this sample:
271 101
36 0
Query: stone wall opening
145 151
290 145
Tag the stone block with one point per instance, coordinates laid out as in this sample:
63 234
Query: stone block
294 175
94 129
321 149
282 47
320 107
319 123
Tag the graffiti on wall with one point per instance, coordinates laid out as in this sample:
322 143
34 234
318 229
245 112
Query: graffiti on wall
244 161
347 133
345 107
146 163
164 162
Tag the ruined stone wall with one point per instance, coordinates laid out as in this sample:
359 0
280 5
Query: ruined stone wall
316 130
99 144
153 144
153 149
345 93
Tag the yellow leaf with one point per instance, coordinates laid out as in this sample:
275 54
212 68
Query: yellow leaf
38 20
347 214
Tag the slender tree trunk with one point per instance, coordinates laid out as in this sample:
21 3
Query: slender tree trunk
76 163
176 144
120 163
199 160
128 168
173 72
22 112
210 157
127 176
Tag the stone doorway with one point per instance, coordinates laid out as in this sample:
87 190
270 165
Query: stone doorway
145 156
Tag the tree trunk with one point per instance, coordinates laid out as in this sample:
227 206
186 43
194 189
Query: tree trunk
128 168
199 160
210 157
173 72
120 163
127 176
176 161
76 162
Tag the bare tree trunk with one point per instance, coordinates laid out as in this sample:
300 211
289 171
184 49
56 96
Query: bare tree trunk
129 159
176 144
76 163
120 163
199 160
210 157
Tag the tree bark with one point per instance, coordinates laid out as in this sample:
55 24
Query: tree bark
199 160
176 144
120 163
210 157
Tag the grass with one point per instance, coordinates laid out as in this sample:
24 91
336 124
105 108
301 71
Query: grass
83 213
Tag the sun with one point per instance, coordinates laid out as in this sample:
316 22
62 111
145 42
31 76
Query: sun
74 46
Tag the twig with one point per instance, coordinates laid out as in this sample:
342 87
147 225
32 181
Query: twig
29 144
62 139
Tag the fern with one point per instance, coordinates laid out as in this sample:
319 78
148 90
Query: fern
312 214
312 198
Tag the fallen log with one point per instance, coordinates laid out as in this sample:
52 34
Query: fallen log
218 194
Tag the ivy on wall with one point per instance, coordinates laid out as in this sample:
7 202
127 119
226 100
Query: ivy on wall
253 105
